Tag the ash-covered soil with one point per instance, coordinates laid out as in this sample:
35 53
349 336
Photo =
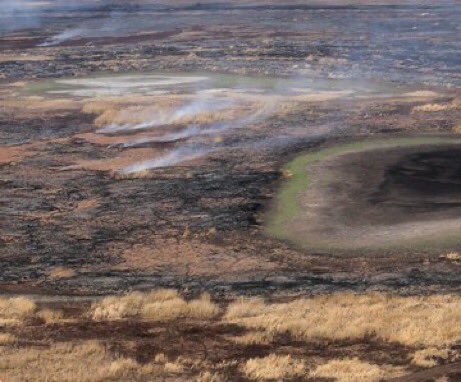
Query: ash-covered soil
142 145
71 224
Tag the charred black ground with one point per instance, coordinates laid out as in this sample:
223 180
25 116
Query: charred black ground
423 181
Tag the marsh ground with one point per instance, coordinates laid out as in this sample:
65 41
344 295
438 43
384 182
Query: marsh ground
391 195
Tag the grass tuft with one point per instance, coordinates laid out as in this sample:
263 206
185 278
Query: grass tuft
354 370
15 310
273 367
159 305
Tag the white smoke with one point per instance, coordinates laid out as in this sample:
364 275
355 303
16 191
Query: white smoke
172 158
66 35
190 131
186 153
190 110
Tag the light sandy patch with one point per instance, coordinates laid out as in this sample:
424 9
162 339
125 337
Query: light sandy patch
19 84
103 140
11 154
36 103
37 4
421 93
61 273
123 140
320 96
191 256
125 158
87 204
4 57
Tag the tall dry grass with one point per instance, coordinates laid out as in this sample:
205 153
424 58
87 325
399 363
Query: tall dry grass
61 362
417 321
87 361
160 110
7 339
50 316
159 305
430 357
273 367
354 370
15 310
259 337
436 107
208 376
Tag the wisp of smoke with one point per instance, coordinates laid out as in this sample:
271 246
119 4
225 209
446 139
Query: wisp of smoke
185 153
68 34
189 110
215 128
190 131
172 158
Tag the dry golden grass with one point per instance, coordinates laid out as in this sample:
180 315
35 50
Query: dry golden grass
254 338
158 116
24 57
15 310
142 174
159 305
129 109
453 256
61 362
173 367
435 107
430 357
164 310
40 104
174 109
122 367
61 273
354 370
428 321
209 376
7 339
273 367
117 307
202 308
134 101
50 316
84 362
